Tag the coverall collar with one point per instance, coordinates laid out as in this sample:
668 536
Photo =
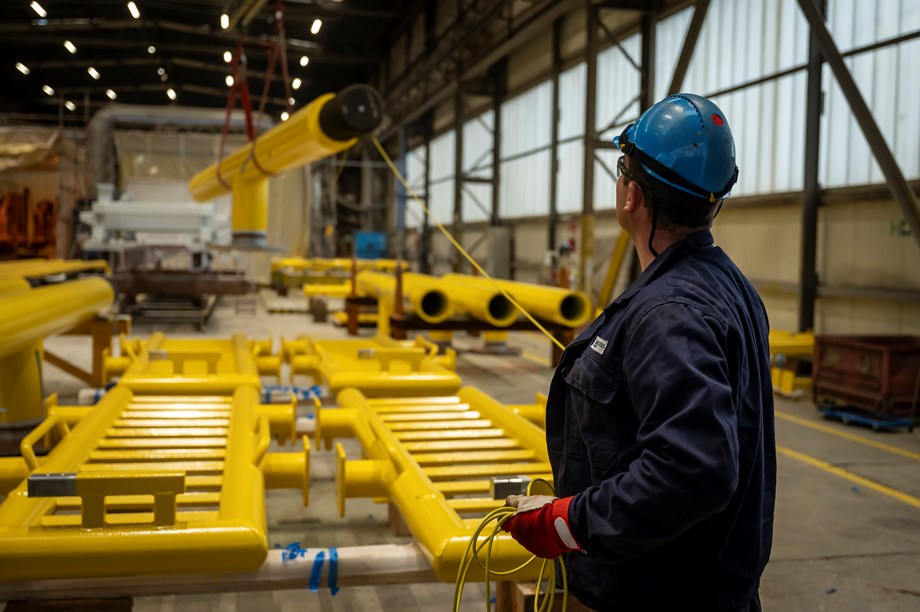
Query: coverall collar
671 255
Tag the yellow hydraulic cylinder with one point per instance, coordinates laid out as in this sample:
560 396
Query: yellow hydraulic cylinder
422 295
562 306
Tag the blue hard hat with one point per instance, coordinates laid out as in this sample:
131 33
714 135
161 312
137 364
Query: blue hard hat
684 141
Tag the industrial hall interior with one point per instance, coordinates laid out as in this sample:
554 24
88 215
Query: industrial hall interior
461 305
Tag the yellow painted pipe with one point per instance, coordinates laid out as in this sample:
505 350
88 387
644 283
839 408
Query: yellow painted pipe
11 285
312 133
12 472
479 299
32 315
249 215
562 306
37 268
422 294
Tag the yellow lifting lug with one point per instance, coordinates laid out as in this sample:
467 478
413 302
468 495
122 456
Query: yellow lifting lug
93 487
281 419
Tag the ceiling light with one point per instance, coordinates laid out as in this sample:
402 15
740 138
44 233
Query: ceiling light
229 80
22 68
291 101
38 9
161 71
48 90
225 21
296 84
93 72
111 94
70 106
132 8
284 116
304 60
70 46
151 49
317 24
171 93
227 56
164 77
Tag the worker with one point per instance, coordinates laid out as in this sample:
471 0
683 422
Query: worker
659 419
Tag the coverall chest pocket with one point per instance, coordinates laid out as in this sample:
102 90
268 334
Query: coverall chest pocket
590 403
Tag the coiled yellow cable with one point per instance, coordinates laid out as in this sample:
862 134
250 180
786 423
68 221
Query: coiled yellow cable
499 516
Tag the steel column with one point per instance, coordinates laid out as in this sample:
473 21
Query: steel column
686 53
811 199
893 175
586 248
554 140
456 227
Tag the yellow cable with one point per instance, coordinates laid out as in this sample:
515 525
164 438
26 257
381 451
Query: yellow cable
457 245
500 515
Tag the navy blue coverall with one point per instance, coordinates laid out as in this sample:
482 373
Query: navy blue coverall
660 422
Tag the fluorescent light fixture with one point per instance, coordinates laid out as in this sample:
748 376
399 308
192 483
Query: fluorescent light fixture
304 60
38 9
132 8
171 93
161 71
224 21
151 49
317 24
22 68
70 46
111 94
70 106
48 90
285 116
93 72
229 80
227 57
296 83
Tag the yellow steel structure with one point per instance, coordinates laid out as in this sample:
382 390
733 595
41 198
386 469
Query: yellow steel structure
302 139
338 264
562 306
422 295
27 316
378 367
433 458
191 367
787 349
147 484
478 298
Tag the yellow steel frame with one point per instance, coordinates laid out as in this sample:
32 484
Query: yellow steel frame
378 367
167 472
432 457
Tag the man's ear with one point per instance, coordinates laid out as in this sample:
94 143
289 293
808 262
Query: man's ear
635 197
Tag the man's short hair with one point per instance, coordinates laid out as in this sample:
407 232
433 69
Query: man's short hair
677 210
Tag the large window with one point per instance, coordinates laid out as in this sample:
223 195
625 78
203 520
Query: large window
525 166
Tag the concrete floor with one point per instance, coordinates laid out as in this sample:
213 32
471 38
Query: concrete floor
839 545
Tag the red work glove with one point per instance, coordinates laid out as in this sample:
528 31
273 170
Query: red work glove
541 524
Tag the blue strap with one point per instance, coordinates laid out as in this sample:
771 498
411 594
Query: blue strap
317 571
333 570
97 395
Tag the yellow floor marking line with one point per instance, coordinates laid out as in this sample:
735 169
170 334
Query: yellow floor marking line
847 436
910 500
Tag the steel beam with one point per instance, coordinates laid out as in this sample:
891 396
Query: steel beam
586 239
686 52
893 175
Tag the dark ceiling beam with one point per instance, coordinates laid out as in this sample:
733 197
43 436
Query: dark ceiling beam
334 9
100 63
184 62
217 92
